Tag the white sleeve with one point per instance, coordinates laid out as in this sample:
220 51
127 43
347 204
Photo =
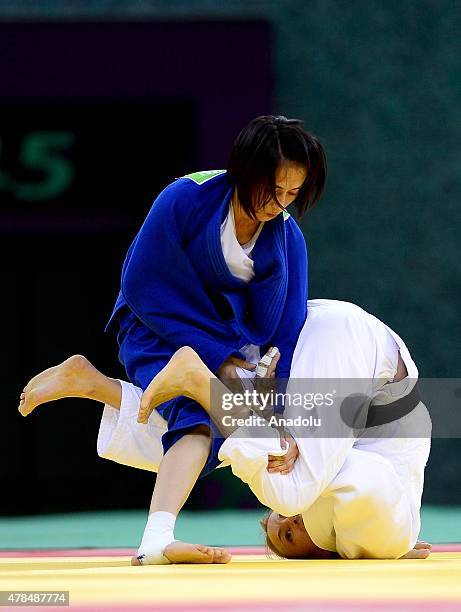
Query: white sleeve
123 440
288 494
247 450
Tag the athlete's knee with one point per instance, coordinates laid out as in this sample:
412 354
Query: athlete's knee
201 435
201 430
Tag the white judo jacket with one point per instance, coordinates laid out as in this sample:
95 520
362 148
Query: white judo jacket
357 496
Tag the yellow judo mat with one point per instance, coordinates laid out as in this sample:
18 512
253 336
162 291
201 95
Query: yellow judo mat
104 580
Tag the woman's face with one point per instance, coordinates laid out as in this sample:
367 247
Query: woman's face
289 179
290 539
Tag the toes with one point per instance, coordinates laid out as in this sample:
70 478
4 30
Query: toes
26 405
425 552
145 407
422 544
417 553
221 556
420 553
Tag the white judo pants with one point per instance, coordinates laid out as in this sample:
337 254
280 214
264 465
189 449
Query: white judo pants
358 497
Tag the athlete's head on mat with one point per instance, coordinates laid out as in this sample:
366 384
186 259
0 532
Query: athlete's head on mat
287 537
275 162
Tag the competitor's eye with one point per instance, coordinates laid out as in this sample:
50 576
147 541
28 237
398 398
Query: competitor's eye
289 535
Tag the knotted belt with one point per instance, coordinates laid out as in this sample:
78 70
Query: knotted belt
386 413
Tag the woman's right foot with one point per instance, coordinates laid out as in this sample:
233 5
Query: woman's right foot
71 378
176 378
182 552
421 551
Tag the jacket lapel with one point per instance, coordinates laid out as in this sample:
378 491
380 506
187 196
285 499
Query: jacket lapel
257 305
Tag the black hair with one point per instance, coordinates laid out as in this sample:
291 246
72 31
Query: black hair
261 148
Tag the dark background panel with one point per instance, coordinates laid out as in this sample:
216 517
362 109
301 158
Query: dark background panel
95 119
89 165
225 66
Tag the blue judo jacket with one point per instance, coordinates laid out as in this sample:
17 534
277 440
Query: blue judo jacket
176 281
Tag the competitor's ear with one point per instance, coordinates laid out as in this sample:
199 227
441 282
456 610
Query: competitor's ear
263 523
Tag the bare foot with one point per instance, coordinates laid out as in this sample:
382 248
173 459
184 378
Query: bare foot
71 378
182 552
421 551
173 380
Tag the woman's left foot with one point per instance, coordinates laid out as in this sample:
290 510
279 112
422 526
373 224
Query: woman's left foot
182 552
73 377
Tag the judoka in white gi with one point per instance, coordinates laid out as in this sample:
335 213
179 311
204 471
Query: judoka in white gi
358 497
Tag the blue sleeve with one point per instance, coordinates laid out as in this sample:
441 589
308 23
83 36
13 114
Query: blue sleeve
162 287
295 310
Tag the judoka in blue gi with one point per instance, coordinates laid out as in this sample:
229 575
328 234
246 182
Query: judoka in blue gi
220 266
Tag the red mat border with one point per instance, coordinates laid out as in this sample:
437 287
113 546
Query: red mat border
126 552
110 552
